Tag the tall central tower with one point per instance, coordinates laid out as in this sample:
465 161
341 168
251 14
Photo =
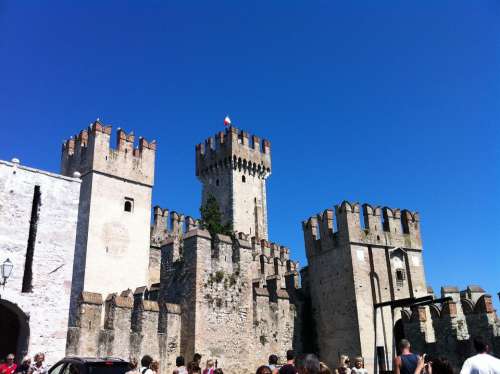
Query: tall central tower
233 167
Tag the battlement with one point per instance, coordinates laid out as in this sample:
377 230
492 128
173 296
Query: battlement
269 262
141 300
168 224
272 262
234 149
90 150
371 225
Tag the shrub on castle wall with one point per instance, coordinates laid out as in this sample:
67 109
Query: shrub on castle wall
211 219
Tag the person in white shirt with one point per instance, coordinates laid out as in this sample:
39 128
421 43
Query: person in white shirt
39 366
359 366
482 363
146 362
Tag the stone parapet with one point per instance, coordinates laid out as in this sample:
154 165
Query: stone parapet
170 224
234 149
375 226
90 151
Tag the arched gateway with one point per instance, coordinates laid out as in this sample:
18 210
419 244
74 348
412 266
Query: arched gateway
15 330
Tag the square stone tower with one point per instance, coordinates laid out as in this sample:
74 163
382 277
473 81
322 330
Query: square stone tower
112 249
233 167
356 262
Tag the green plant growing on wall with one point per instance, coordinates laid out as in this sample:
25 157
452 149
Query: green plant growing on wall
211 218
233 279
219 276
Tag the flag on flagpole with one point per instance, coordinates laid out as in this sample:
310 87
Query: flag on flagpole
227 121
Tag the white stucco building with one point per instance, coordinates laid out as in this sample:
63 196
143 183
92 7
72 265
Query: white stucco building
38 220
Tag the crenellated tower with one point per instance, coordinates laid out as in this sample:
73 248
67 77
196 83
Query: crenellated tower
358 257
115 209
233 167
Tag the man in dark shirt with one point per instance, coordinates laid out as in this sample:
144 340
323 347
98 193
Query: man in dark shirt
289 367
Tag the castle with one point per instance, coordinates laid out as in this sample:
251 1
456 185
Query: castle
170 288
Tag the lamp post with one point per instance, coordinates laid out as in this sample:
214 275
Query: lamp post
6 271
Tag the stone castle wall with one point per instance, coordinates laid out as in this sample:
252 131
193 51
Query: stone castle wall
232 293
133 326
447 329
42 310
237 300
166 225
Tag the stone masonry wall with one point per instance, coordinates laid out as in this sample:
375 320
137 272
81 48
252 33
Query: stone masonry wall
166 225
132 328
229 314
45 307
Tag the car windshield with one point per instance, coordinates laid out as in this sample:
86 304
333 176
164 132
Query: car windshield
108 367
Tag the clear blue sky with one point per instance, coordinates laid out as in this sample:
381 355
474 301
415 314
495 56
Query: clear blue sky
391 103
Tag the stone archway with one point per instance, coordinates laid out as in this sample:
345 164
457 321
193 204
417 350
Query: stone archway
399 333
15 330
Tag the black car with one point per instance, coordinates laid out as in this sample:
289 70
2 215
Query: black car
90 365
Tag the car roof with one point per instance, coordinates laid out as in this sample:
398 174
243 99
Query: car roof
93 359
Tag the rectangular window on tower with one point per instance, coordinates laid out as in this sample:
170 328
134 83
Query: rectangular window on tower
400 277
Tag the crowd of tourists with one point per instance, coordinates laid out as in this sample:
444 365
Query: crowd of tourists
407 362
27 366
149 366
310 364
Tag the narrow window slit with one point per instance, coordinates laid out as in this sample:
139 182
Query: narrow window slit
30 250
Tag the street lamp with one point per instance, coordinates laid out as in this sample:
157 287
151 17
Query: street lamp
6 270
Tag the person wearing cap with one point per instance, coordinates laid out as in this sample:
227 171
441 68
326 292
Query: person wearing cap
10 366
